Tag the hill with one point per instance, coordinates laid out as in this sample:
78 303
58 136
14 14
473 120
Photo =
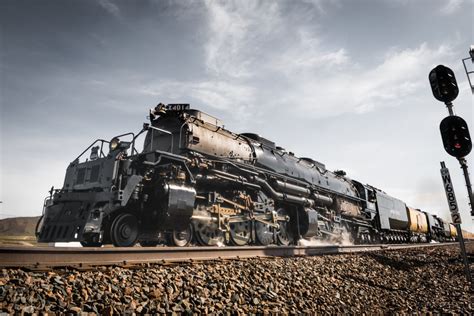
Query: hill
18 226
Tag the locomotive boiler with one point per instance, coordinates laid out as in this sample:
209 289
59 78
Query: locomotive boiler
194 182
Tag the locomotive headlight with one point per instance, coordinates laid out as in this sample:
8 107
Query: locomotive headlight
114 143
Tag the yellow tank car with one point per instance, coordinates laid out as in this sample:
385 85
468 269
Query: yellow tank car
453 230
418 221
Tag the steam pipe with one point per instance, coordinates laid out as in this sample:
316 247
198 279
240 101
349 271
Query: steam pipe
325 200
296 189
292 189
281 196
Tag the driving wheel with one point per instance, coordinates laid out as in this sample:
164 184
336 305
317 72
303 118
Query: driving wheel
208 235
263 234
124 230
182 238
240 233
283 234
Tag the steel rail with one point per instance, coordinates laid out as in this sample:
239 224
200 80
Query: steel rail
38 258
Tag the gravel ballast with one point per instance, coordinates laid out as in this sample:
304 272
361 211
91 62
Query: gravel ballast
412 280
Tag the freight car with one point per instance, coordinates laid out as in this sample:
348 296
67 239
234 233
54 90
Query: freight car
196 182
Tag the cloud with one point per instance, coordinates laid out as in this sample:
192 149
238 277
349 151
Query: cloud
248 64
222 95
354 88
244 48
244 36
306 54
253 45
321 5
451 6
398 76
110 7
235 29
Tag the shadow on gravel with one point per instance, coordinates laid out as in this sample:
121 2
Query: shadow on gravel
373 283
400 263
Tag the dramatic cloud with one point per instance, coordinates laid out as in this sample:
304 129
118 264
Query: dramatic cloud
451 6
110 7
241 51
214 94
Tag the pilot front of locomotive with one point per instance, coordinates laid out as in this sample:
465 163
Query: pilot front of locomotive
76 212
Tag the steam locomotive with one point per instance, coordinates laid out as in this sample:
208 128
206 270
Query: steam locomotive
194 182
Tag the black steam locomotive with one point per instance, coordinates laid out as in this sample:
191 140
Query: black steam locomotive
196 182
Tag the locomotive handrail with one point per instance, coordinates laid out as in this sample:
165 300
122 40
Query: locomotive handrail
133 139
180 134
102 141
101 152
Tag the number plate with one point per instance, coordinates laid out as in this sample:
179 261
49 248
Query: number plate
177 107
450 196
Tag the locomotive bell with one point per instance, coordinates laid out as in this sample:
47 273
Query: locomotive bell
158 110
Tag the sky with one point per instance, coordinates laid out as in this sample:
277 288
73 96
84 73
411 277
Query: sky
343 82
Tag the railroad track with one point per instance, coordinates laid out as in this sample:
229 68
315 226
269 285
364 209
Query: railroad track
43 258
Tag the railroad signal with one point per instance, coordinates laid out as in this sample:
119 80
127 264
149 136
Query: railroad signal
443 84
455 135
457 143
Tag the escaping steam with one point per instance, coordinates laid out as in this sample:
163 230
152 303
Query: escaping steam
344 239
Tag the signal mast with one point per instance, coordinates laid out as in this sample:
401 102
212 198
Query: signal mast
456 141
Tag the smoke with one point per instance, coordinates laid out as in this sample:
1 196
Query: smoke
313 242
344 239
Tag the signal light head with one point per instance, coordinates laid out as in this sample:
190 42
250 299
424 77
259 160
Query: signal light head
443 84
455 135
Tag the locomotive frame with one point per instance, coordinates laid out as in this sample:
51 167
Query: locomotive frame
196 182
